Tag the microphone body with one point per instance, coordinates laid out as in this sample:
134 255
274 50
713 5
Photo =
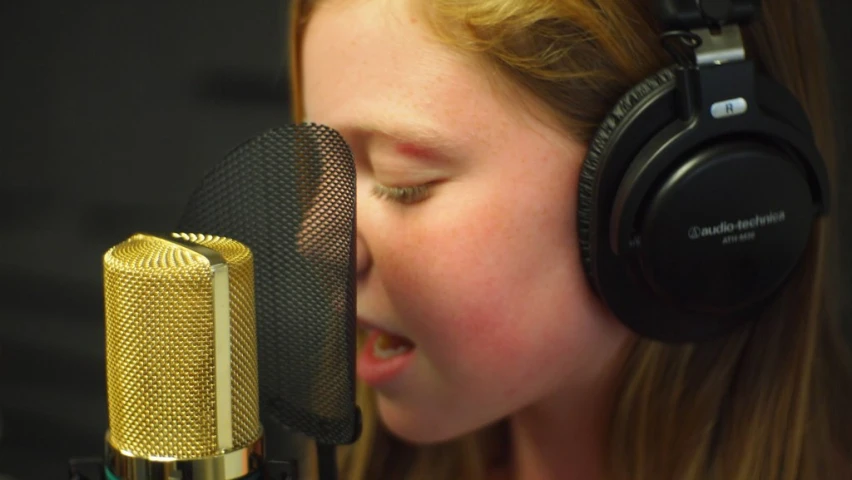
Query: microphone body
181 356
184 385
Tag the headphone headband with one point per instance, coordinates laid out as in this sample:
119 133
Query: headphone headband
692 14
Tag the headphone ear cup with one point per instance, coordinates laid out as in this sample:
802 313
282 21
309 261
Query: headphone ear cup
599 147
687 229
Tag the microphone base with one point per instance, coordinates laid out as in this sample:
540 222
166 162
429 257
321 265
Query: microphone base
242 464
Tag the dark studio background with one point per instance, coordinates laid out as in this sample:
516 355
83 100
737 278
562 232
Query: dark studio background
110 111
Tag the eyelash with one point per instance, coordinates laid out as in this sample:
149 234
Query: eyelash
404 195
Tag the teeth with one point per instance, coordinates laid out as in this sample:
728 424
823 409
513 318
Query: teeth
387 346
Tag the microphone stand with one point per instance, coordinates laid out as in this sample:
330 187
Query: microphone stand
93 468
326 461
86 468
284 443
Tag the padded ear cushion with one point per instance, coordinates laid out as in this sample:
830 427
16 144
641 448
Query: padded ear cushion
599 146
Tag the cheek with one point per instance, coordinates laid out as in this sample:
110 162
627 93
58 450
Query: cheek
486 285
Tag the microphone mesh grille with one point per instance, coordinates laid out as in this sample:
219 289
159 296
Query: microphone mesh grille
160 354
289 195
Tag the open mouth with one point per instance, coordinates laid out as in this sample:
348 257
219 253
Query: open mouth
384 345
383 355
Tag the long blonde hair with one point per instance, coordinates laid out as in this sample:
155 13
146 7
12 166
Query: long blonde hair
767 402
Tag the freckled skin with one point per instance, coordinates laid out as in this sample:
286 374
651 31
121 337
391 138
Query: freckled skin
484 275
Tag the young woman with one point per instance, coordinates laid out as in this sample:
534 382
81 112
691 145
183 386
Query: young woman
486 353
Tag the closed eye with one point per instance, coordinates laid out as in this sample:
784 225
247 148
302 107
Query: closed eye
403 195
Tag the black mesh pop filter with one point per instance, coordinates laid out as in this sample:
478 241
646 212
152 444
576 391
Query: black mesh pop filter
289 195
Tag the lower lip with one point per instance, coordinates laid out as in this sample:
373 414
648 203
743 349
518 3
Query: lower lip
377 371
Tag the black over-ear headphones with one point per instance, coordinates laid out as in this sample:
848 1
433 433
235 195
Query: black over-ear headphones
700 187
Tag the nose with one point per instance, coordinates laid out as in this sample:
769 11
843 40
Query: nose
364 260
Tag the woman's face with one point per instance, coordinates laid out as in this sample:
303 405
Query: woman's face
482 274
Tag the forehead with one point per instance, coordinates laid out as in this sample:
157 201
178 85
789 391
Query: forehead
373 62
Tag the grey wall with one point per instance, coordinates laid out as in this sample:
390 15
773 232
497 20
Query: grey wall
110 111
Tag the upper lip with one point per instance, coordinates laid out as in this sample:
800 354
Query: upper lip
371 325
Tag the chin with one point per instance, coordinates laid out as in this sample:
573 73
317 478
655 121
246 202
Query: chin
417 428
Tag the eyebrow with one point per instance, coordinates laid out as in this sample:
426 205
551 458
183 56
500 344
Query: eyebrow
415 150
415 139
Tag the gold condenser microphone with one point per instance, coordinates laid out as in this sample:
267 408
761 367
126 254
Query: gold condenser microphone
181 360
